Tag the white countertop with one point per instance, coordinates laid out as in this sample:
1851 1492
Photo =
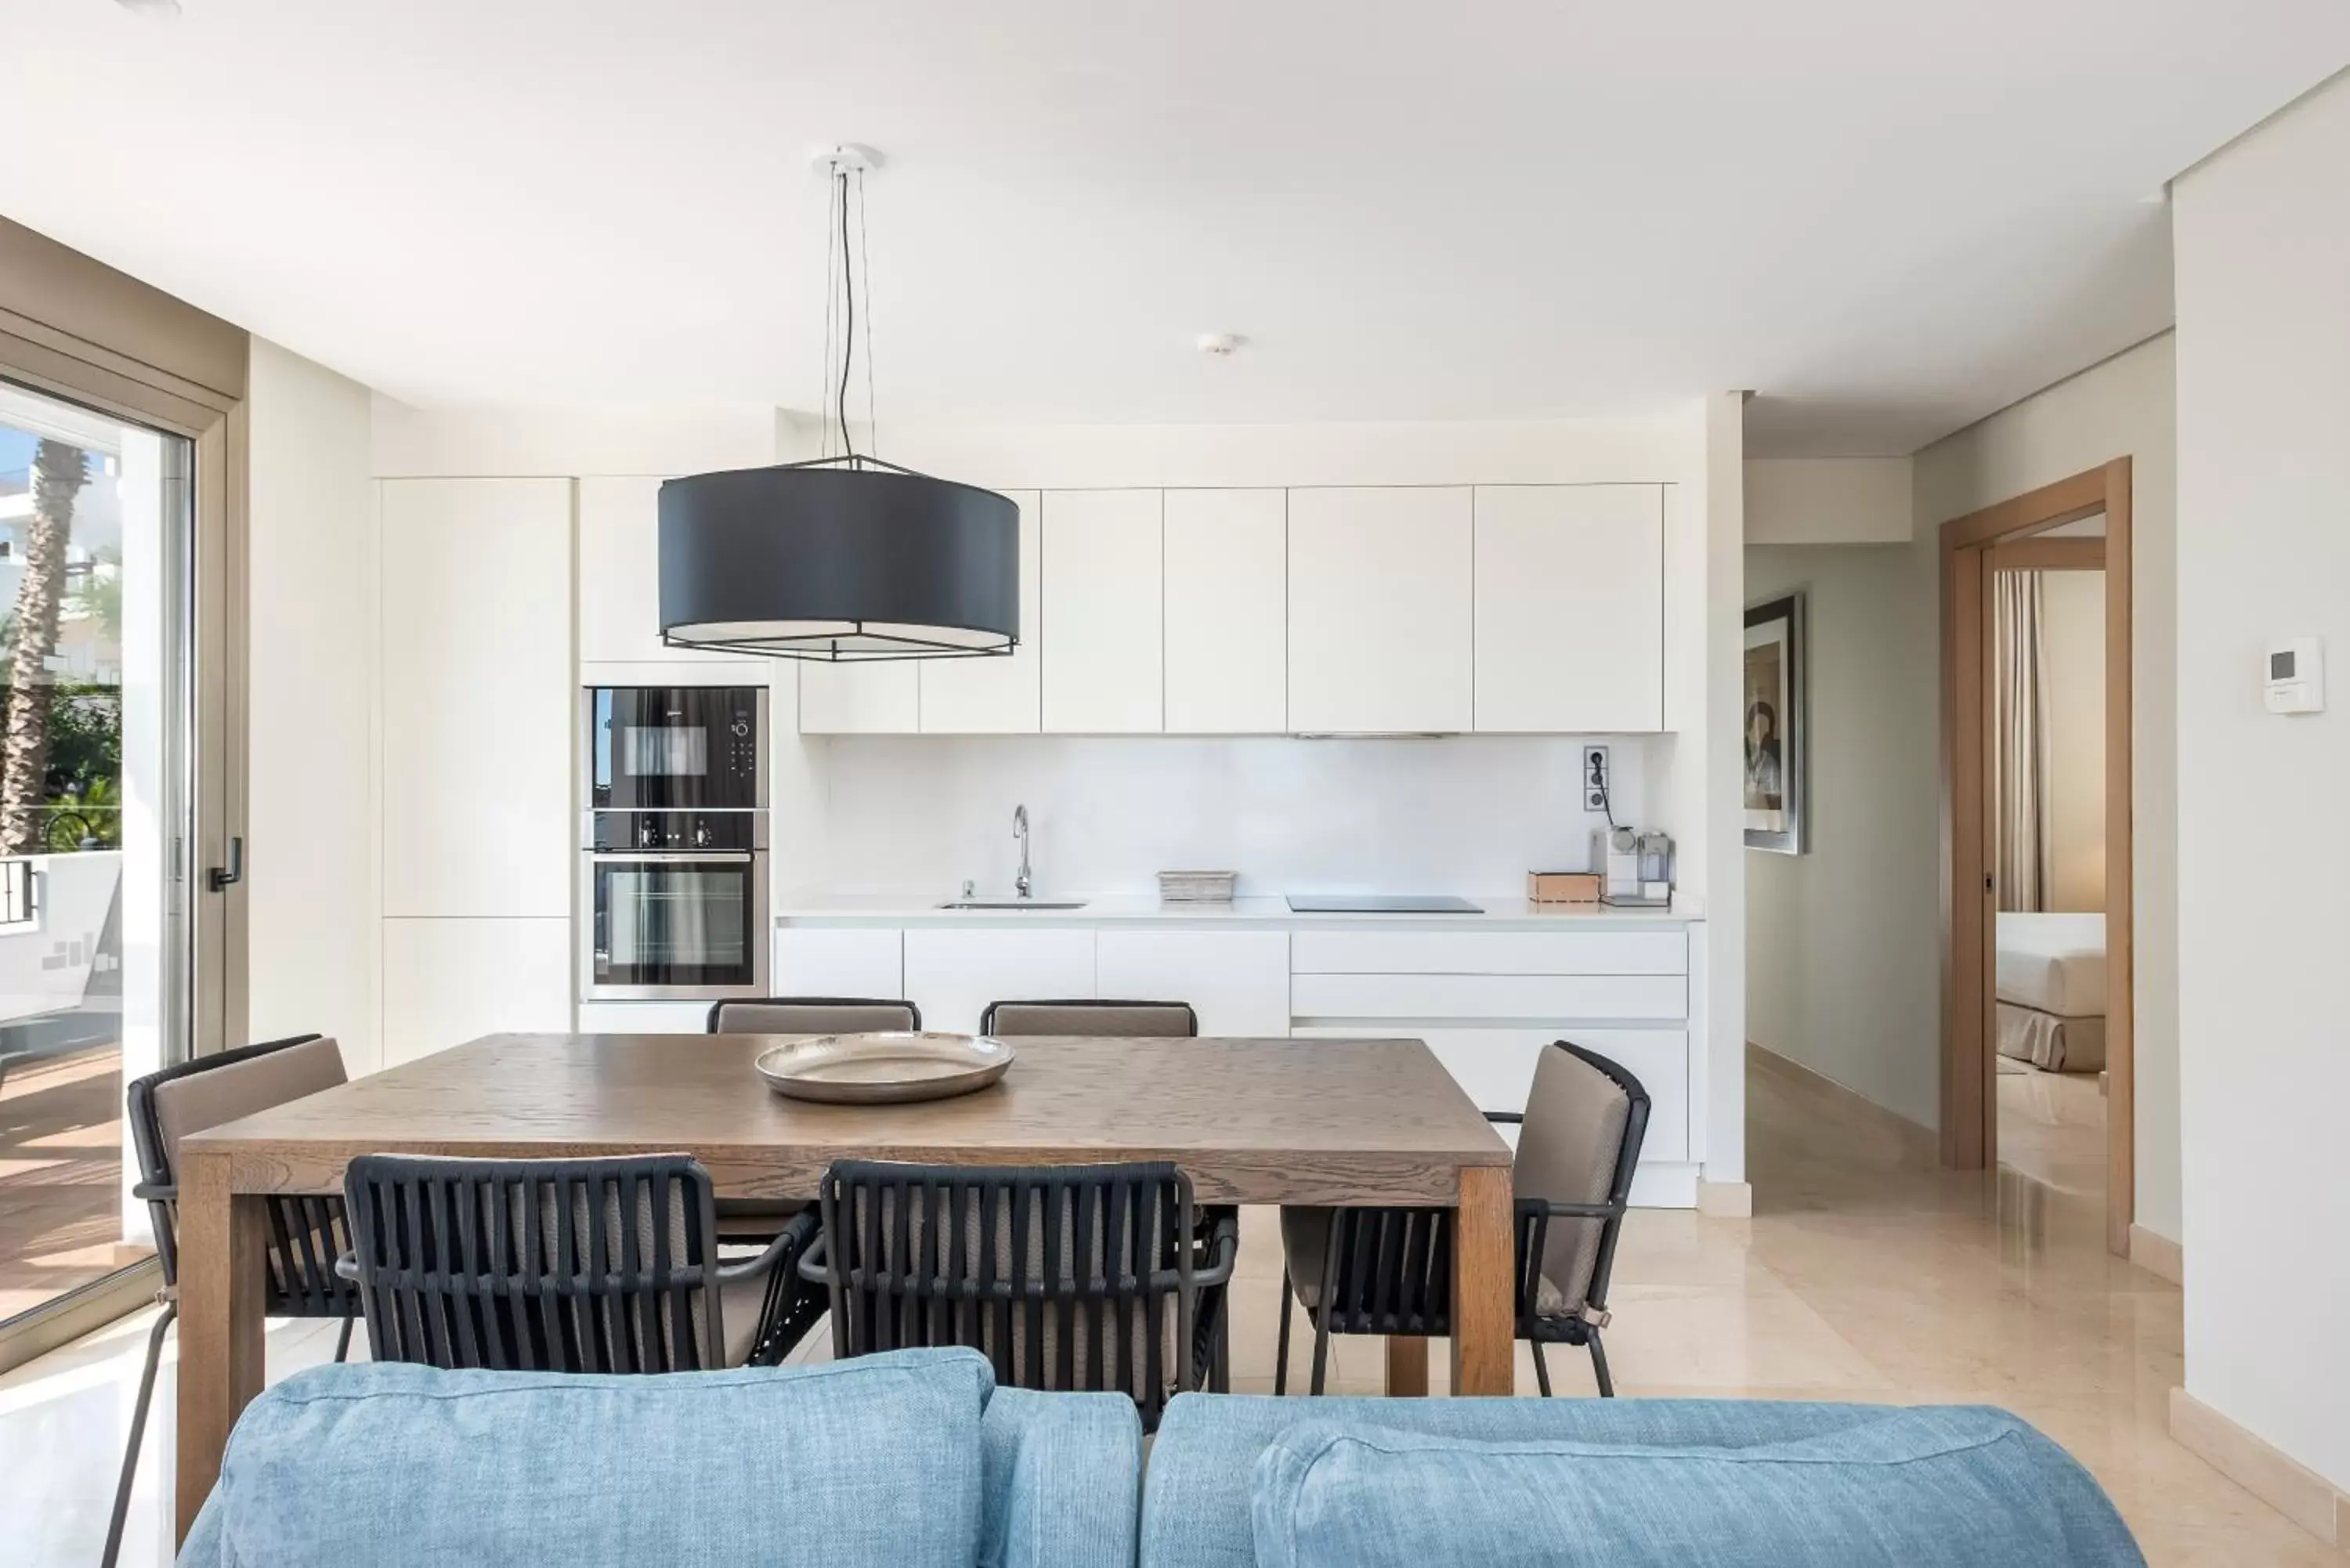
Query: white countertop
1498 912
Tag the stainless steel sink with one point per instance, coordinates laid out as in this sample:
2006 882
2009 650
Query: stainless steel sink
1012 904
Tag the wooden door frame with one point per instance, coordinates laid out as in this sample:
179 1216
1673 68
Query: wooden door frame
1971 548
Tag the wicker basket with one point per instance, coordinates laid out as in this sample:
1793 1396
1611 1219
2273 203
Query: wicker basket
1196 887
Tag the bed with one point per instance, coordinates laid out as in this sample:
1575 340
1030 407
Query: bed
2052 990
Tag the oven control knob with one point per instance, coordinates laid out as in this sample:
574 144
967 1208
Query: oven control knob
742 728
649 834
701 836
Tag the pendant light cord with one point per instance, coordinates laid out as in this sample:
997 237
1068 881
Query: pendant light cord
848 311
865 272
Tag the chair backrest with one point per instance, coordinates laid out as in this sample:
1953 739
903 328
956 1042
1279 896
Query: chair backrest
1585 1118
811 1015
1091 1015
561 1265
206 1092
1079 1277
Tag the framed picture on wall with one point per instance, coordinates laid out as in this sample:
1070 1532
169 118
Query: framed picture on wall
1774 762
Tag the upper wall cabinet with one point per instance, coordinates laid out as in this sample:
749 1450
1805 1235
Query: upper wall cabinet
998 695
619 575
1101 612
1570 623
477 697
1379 610
881 697
1227 612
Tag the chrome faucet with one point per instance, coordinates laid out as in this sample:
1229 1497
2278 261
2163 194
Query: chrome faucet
1021 884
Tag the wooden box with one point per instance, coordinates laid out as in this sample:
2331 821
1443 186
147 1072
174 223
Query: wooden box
1562 886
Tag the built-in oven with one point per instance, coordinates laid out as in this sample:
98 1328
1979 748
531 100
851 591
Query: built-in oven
673 879
675 905
676 748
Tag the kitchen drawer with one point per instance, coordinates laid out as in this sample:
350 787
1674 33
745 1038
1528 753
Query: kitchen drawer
1598 996
1237 981
1496 1068
1490 952
847 961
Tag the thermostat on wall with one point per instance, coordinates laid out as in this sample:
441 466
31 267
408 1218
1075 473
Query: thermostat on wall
2296 676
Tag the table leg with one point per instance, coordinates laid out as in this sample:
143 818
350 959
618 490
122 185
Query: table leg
1406 1367
1484 1356
222 1258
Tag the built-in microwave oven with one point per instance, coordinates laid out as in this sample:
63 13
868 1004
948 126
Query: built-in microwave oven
676 748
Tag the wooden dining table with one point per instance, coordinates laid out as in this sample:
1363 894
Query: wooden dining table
1333 1121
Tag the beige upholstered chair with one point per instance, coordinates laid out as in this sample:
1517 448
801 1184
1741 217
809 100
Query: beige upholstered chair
1389 1270
306 1232
1128 1020
811 1015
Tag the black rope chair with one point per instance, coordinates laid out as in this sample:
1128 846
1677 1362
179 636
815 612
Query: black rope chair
563 1265
1389 1270
1086 1277
305 1233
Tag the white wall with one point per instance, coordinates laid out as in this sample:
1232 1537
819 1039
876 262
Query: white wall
2073 608
1469 815
1828 500
2124 407
310 835
2263 278
1842 941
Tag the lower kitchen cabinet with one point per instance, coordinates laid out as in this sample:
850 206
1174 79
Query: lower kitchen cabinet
953 975
1237 981
446 982
818 962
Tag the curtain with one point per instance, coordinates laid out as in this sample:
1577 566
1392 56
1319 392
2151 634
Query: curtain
2026 863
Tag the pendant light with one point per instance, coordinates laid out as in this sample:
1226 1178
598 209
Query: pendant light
845 557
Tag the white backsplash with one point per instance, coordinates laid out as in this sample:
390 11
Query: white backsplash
1468 814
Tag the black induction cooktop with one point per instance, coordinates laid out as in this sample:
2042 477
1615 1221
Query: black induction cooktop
1380 904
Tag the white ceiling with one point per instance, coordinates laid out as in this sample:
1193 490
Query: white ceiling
1888 220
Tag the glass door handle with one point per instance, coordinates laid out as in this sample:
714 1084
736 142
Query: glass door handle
221 879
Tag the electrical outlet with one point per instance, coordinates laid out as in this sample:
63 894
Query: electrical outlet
1596 779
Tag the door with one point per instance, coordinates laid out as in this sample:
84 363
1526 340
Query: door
1227 612
101 890
675 924
1379 615
1102 602
1570 607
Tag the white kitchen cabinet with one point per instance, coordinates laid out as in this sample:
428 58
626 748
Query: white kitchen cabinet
1227 612
620 577
997 695
477 697
1642 996
1237 981
818 962
1101 612
1663 951
952 974
1495 1067
446 982
1570 608
1380 633
882 696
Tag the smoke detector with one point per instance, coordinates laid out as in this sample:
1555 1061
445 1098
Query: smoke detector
1217 345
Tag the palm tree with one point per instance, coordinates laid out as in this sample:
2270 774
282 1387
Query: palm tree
58 474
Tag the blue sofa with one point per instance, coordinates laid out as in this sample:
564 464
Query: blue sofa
916 1460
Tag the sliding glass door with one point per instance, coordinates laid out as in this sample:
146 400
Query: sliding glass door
97 975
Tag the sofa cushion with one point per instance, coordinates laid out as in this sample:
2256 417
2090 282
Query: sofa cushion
875 1461
1197 1493
1934 1488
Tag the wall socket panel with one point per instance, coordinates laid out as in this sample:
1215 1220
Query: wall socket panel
1597 778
